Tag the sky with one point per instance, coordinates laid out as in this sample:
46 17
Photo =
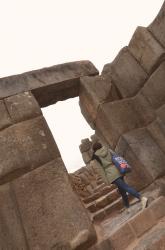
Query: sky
42 33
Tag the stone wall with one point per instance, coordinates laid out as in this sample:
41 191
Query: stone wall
39 209
126 103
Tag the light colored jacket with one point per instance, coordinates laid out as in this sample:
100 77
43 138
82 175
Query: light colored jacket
111 172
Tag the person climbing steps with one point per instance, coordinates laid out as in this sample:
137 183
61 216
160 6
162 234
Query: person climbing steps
113 176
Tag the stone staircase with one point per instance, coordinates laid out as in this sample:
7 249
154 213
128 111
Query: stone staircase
104 201
137 230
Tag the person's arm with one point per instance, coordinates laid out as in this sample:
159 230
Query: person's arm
95 157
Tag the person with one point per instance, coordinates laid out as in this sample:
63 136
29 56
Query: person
103 155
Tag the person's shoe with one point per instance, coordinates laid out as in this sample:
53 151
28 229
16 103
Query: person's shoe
144 201
128 210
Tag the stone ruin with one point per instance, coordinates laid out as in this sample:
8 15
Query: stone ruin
125 105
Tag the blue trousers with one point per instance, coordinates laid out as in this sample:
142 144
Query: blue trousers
124 188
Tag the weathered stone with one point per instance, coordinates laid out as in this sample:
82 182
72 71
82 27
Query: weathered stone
161 113
125 72
35 138
125 235
142 222
113 195
147 152
94 138
99 215
115 117
154 88
113 207
22 107
154 240
103 245
145 113
81 241
157 130
87 156
157 208
11 155
44 196
62 81
16 84
5 120
157 26
25 146
11 230
122 116
93 92
102 202
101 137
49 85
85 145
146 49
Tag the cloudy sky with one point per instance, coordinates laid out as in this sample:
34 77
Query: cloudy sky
42 33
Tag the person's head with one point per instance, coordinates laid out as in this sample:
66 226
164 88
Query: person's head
96 146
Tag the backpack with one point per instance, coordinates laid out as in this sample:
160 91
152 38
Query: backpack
121 164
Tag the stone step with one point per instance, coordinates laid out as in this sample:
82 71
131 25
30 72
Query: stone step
99 187
124 235
100 181
96 195
103 201
154 239
107 210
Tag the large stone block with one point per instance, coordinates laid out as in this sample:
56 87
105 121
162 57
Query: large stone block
37 142
161 113
157 131
11 155
157 26
157 128
5 120
62 81
117 118
51 84
157 208
93 92
142 222
154 88
143 110
126 73
122 237
13 85
25 146
146 49
22 107
147 152
50 210
12 234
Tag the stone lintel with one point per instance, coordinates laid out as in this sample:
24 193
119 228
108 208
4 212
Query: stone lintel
62 80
